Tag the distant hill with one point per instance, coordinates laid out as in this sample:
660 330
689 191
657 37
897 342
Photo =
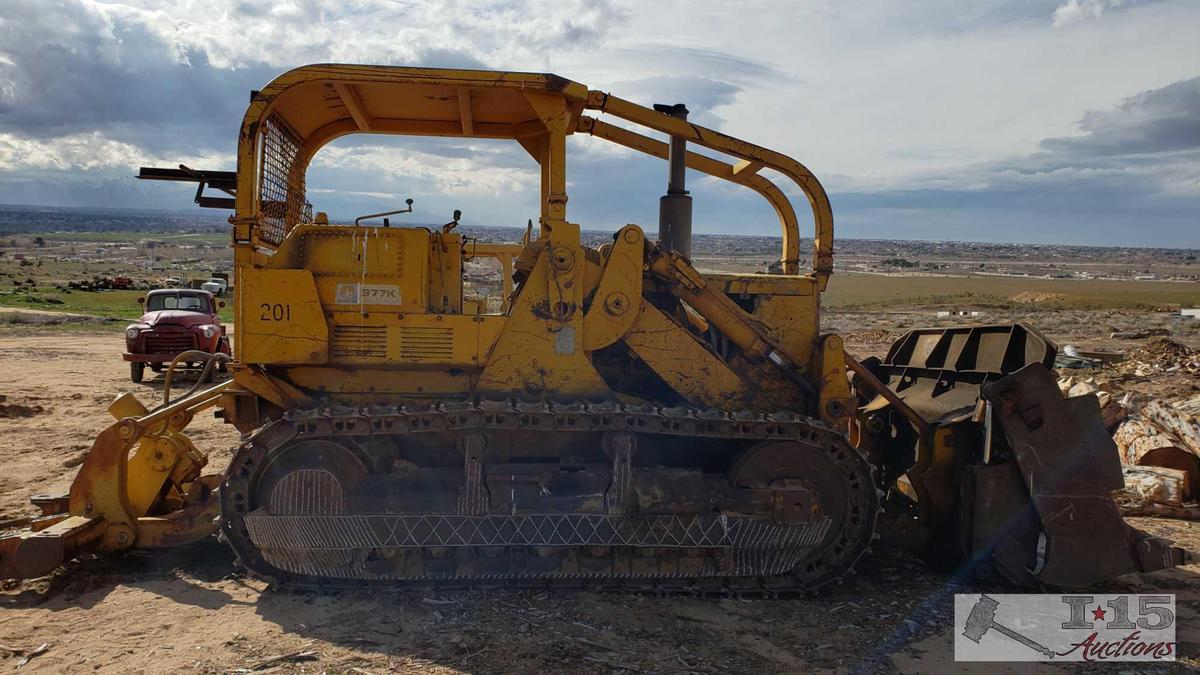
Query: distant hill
17 219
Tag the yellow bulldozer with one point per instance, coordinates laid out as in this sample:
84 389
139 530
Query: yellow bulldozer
618 420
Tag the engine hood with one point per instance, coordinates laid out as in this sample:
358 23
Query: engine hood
175 317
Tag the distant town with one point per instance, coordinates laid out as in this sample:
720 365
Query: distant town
163 243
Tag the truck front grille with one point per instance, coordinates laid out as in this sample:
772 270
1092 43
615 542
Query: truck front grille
169 343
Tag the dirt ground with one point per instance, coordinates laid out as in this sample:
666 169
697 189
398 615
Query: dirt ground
191 610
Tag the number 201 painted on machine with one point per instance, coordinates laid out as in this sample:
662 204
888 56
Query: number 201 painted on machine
275 312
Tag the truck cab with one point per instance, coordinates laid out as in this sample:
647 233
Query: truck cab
217 287
174 321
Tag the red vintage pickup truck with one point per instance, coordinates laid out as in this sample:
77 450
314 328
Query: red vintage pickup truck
175 320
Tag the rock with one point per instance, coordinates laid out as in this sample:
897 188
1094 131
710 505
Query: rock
11 410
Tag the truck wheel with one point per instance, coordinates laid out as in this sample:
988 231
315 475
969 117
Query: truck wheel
136 370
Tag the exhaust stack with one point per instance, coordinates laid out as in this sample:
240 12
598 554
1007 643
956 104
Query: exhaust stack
675 207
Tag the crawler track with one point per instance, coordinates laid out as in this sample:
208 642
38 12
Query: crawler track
692 553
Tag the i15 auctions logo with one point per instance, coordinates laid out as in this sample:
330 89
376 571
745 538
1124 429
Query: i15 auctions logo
1030 627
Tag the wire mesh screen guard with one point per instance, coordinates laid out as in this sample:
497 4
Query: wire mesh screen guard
282 199
301 543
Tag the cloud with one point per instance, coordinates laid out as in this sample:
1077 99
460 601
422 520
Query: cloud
102 87
363 173
1133 176
1075 11
237 33
702 95
173 76
1162 120
1153 136
72 67
931 118
481 168
88 152
715 63
89 169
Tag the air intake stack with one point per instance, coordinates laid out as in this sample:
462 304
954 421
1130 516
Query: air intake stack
675 207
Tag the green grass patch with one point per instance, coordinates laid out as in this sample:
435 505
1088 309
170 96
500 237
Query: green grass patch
133 238
118 304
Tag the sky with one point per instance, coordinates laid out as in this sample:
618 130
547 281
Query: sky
1035 121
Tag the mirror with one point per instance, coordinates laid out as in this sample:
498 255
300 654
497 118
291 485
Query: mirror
141 301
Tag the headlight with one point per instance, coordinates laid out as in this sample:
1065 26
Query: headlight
132 332
209 331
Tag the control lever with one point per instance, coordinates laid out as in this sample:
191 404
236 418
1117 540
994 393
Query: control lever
408 201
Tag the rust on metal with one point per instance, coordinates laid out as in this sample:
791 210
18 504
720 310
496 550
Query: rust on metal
1070 466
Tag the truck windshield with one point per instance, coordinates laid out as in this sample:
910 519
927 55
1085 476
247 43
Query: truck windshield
191 303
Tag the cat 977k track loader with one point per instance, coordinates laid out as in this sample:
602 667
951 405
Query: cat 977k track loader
618 420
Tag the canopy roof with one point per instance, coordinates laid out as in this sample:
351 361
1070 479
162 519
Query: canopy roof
303 109
316 100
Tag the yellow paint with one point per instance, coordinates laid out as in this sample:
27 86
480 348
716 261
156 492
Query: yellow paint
126 405
715 140
713 167
445 264
791 321
683 362
540 350
426 336
156 459
366 314
762 284
282 319
836 404
616 301
362 255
